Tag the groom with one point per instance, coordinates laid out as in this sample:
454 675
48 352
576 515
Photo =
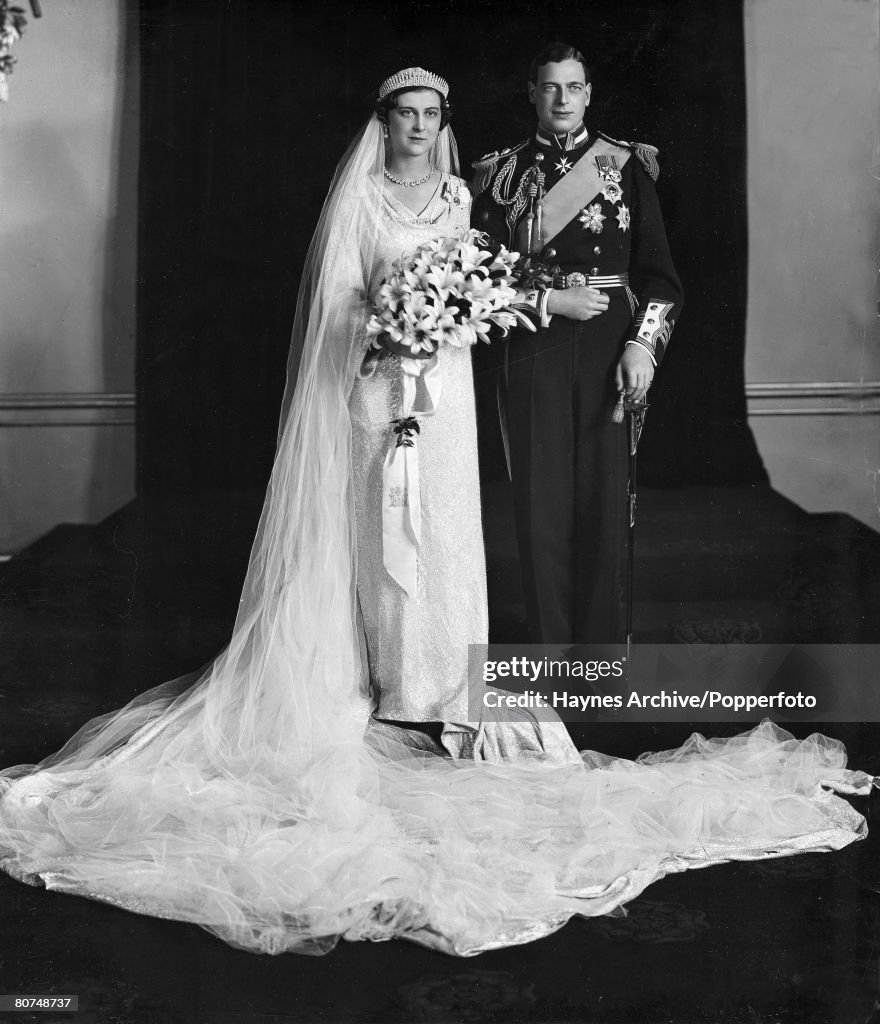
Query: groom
603 326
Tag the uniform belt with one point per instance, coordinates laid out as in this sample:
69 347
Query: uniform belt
577 280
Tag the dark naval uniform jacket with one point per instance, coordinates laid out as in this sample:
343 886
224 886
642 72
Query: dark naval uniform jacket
608 236
568 459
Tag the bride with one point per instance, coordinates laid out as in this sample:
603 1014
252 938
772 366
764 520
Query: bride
262 800
422 601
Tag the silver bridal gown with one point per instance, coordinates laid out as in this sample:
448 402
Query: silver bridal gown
417 648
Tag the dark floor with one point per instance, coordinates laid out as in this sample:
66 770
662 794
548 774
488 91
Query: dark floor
90 617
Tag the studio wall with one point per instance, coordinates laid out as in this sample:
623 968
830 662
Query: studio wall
813 334
68 148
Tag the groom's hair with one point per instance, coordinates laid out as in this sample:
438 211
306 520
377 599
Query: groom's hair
554 53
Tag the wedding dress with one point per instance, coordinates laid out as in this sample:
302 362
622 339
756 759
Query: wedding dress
418 645
257 803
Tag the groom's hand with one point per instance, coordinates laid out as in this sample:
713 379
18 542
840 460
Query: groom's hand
577 303
635 371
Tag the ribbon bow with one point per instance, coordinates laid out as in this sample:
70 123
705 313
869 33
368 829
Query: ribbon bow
421 383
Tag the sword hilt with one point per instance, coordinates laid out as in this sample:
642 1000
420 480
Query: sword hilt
636 413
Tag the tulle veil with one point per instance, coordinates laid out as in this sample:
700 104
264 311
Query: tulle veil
248 801
292 681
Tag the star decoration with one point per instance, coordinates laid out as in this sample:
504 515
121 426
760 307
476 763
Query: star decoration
563 166
612 192
623 217
592 218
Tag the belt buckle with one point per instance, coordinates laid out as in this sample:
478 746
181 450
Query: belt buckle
575 280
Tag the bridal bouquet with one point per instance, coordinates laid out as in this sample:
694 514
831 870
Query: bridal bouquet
451 291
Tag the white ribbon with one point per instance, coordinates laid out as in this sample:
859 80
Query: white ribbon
421 384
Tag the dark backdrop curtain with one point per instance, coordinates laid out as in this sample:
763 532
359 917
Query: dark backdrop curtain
248 104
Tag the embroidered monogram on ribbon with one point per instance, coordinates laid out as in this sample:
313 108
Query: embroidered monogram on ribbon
577 188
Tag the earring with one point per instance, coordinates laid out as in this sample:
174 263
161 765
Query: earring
385 132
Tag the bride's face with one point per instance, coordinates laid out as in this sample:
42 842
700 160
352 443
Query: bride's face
414 123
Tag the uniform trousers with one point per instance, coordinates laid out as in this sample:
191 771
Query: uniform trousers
569 470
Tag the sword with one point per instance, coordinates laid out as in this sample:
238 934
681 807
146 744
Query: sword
534 218
635 422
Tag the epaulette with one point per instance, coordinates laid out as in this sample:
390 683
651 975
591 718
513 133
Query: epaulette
646 154
485 166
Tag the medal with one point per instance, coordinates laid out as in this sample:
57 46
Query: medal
607 166
623 217
612 192
592 218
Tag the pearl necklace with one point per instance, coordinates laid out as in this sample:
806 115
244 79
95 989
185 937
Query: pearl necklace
407 184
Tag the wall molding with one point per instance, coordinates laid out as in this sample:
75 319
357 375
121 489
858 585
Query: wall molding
116 408
67 409
813 398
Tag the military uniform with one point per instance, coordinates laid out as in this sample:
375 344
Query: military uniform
568 459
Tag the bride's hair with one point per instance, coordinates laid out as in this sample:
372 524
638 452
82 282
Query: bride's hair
389 102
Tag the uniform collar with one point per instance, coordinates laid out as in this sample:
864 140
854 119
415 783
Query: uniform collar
565 142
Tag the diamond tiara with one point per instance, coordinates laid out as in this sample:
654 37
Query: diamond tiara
414 78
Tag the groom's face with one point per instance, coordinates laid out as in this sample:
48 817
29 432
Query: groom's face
560 95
